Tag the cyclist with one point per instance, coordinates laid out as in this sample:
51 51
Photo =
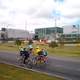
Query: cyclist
37 50
30 50
45 53
25 55
29 46
39 53
21 51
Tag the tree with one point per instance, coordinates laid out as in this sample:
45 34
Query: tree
3 37
30 42
36 37
18 42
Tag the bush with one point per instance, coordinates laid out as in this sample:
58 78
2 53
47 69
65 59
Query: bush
18 42
53 44
36 37
30 42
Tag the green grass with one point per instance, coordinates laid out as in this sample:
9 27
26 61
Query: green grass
66 51
8 72
8 47
63 51
58 51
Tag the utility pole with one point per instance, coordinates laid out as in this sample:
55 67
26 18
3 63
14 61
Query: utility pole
7 32
45 33
25 30
55 22
55 27
78 32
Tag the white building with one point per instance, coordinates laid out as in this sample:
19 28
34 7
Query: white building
71 29
16 33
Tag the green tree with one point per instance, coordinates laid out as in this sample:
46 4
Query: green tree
18 42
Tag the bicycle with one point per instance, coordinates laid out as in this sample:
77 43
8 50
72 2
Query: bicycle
20 59
40 60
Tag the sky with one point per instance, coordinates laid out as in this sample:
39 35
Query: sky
31 14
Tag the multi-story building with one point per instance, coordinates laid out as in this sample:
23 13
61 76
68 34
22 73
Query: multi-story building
49 33
67 33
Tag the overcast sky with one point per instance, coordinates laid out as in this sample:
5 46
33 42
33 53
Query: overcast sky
38 13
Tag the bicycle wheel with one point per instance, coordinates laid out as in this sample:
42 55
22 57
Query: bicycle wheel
20 60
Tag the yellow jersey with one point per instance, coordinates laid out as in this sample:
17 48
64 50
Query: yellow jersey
37 50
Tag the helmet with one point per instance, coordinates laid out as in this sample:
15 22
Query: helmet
24 49
30 47
37 47
21 49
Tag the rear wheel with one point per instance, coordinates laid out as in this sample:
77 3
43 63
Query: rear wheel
20 60
29 63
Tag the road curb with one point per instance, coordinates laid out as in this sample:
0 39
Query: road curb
54 75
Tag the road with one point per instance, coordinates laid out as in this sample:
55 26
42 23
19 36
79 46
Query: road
69 69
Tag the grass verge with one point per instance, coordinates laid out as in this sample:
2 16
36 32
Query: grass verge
73 51
8 72
58 51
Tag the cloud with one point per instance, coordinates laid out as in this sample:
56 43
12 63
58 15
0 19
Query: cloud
39 12
70 8
59 1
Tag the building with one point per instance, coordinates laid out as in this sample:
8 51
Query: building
49 33
71 29
72 37
71 33
14 33
67 33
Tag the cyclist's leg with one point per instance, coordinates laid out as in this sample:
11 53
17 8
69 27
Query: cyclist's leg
45 59
24 59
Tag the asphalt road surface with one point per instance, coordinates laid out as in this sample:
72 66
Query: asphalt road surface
69 69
